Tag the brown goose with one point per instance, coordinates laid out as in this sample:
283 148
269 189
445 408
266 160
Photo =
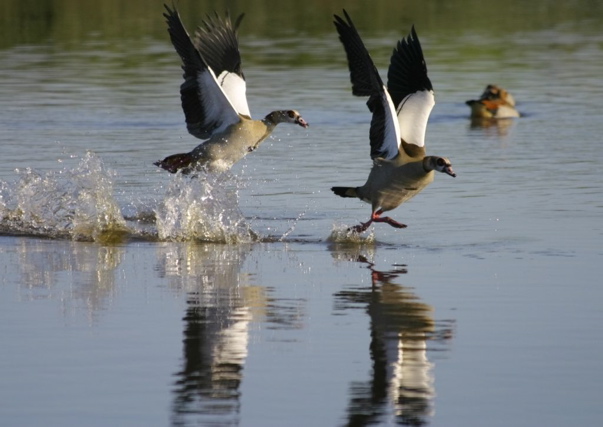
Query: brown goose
213 97
401 169
494 103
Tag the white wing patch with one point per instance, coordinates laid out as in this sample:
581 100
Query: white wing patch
235 87
218 107
391 137
413 113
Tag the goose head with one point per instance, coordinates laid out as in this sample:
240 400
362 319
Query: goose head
440 164
287 116
496 93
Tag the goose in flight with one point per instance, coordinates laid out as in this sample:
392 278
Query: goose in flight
213 97
401 169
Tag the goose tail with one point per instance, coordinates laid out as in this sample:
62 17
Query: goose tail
175 162
345 191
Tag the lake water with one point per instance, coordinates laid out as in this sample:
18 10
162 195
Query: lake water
130 296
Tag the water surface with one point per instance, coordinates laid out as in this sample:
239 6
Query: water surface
134 297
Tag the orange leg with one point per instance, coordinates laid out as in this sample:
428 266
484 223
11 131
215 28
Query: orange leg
376 217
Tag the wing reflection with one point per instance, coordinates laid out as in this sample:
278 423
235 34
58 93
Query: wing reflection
221 305
402 384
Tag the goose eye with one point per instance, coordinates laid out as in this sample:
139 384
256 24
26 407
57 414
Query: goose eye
291 114
440 162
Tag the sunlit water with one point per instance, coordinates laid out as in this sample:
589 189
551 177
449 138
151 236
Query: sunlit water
134 297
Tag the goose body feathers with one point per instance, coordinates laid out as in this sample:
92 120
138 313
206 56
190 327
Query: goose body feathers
400 112
213 96
494 103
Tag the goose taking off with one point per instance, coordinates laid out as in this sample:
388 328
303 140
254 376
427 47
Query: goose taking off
397 134
213 97
494 103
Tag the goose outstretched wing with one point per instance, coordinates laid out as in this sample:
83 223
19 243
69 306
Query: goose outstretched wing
385 131
206 106
410 89
217 42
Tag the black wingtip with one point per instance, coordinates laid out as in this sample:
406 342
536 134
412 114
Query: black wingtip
238 21
170 12
408 70
216 22
363 73
347 16
172 16
216 40
340 21
413 32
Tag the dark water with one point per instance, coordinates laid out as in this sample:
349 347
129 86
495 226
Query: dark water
133 297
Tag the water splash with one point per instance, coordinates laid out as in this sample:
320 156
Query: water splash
78 203
341 233
204 208
292 227
70 203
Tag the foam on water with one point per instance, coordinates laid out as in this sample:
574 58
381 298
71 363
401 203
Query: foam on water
205 208
79 203
341 233
73 203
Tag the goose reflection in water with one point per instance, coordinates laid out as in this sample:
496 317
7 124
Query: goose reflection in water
402 384
492 127
220 306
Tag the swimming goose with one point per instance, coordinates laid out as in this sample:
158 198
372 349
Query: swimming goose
401 168
494 103
213 97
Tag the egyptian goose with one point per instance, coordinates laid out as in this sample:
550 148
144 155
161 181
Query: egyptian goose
397 134
494 103
213 97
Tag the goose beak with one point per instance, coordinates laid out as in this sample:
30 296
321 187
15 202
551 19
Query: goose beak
449 171
300 121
